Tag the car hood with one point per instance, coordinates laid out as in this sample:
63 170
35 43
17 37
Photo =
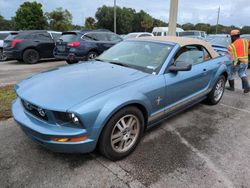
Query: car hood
62 88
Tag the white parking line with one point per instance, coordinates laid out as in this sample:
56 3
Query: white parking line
239 109
205 158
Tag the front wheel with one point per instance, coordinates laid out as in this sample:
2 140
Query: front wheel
122 133
217 92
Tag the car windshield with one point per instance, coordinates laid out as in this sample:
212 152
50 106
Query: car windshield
142 55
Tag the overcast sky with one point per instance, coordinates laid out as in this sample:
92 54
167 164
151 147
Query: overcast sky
233 12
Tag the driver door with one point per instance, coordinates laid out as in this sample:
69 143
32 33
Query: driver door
184 85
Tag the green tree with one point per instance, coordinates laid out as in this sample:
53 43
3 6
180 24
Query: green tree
245 30
90 23
59 20
159 23
125 17
188 26
77 27
30 16
147 22
5 24
105 19
138 18
202 27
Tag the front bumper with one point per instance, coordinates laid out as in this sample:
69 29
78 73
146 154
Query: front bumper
43 132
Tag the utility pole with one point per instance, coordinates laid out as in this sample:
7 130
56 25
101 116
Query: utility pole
173 17
218 18
114 16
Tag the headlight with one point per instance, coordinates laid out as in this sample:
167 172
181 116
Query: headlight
73 118
64 117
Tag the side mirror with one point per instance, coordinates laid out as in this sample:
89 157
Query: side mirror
180 66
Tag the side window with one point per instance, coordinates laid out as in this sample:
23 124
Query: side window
165 33
41 37
158 34
101 36
88 37
113 37
207 56
56 36
190 55
95 36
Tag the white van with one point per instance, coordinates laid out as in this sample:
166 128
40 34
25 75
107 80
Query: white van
194 34
163 31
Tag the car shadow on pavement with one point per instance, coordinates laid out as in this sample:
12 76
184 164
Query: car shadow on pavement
161 151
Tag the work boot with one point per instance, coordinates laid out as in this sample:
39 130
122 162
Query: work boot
231 85
245 85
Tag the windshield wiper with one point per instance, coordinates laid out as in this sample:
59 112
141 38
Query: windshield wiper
97 59
118 63
113 62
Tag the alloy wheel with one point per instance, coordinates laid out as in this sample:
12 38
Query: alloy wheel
125 133
219 89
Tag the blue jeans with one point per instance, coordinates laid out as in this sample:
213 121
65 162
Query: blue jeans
241 69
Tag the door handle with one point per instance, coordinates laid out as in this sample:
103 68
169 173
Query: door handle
204 70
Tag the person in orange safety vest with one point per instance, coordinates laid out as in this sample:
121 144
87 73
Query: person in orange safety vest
239 50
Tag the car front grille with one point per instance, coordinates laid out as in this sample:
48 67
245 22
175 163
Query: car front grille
35 110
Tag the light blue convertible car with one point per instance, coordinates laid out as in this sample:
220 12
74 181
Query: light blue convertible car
109 102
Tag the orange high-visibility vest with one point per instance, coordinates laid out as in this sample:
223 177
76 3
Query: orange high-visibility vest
239 50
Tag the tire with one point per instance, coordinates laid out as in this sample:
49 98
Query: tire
217 92
120 134
31 56
91 55
72 61
3 57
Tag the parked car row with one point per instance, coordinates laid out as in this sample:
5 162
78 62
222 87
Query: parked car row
72 46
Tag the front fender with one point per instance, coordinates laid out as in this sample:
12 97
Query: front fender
96 113
112 106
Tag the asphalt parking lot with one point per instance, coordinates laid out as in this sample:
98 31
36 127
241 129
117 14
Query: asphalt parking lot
13 71
205 146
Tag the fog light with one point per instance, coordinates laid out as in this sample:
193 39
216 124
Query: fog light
61 139
77 139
